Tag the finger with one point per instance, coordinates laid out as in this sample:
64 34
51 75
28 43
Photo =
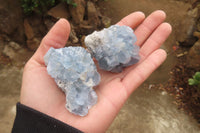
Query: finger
156 39
132 20
143 70
149 25
56 37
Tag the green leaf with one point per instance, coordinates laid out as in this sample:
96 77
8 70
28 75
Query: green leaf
74 4
191 81
37 6
197 76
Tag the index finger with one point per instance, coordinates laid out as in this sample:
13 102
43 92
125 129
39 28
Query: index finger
133 19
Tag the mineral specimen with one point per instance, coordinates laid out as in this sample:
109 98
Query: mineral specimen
75 73
113 47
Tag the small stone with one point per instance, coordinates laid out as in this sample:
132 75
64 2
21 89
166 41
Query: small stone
197 34
181 88
106 21
75 73
59 11
9 51
83 41
186 29
113 47
28 29
193 57
92 14
85 28
33 44
37 24
77 12
14 45
163 93
72 36
49 23
11 20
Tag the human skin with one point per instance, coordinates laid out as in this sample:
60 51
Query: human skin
40 92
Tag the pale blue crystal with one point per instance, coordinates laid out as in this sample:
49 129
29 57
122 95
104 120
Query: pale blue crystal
75 73
114 48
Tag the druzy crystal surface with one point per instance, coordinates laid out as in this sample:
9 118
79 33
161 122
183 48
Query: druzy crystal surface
114 48
75 73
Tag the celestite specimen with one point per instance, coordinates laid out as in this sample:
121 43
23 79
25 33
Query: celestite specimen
75 73
113 47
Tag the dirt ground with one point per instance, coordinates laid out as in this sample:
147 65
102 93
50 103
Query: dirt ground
187 97
148 110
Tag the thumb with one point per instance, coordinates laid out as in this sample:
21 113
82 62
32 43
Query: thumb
57 37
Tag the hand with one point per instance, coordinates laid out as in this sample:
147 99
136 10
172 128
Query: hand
39 91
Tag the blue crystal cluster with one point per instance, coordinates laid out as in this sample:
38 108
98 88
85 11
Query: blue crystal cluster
75 73
113 47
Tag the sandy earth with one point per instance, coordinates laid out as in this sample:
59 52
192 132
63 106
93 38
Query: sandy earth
147 110
10 78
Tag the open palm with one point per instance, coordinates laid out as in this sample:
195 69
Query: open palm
39 91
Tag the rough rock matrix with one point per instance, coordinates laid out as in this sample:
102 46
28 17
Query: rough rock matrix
113 47
75 73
